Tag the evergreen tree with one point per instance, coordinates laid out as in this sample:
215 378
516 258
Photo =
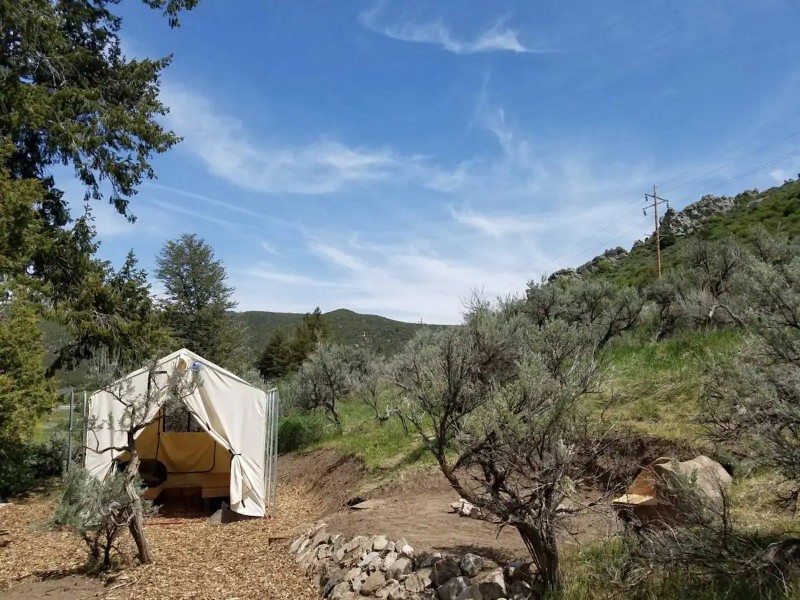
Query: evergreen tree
113 311
25 392
198 299
274 360
309 333
69 96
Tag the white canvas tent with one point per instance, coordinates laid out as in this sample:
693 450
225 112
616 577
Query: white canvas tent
233 455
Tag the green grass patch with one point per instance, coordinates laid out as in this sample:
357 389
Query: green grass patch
385 446
654 388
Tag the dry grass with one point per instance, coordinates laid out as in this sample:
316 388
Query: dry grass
193 559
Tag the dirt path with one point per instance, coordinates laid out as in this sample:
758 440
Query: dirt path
417 507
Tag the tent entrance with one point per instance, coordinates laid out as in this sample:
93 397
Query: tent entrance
195 463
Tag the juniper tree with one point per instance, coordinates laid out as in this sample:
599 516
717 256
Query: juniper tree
198 300
495 402
136 411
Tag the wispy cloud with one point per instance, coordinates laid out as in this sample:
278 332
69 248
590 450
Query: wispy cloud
497 38
496 225
320 167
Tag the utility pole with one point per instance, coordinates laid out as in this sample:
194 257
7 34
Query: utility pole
654 206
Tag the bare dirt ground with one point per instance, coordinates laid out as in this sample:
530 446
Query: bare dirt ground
249 559
417 508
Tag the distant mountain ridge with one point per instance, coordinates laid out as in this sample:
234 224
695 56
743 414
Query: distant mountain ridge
346 327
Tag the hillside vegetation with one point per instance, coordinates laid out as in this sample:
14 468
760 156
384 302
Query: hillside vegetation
378 334
776 209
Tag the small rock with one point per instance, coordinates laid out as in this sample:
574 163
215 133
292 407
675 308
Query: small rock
379 543
466 508
376 564
456 506
470 593
402 547
352 574
400 568
359 581
426 559
471 565
519 590
321 537
452 588
369 504
295 547
368 559
492 585
372 584
391 547
393 591
340 591
353 544
418 581
389 559
444 570
324 551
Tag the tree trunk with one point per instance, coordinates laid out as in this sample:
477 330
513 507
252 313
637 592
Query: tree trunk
544 551
136 523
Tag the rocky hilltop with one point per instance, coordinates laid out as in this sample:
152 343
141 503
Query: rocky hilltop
691 218
674 224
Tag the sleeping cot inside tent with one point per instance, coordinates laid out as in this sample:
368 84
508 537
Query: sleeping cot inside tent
219 441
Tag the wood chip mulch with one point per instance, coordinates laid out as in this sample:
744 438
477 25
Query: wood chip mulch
193 558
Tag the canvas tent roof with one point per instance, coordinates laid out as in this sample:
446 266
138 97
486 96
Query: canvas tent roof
239 417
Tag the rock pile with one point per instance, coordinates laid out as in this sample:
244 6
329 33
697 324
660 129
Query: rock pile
377 567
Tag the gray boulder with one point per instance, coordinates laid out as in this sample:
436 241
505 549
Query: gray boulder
452 588
373 583
364 562
492 585
471 565
470 593
393 591
379 543
340 591
400 568
418 581
444 570
389 559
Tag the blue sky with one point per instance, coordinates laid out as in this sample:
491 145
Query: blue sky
391 157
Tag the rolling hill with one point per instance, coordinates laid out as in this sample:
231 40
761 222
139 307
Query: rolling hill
346 327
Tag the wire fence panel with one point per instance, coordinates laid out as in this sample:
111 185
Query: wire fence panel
271 454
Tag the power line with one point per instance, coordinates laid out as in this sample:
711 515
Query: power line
571 252
656 202
721 167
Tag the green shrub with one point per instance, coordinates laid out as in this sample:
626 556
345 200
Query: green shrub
24 466
299 430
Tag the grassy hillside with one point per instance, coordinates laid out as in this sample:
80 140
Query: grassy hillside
346 327
776 209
